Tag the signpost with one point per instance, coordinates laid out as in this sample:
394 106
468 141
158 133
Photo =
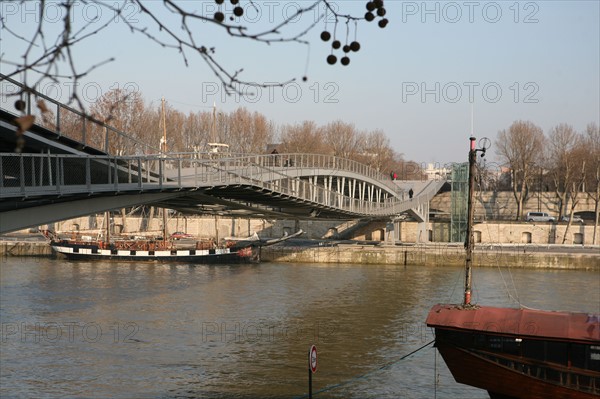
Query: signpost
312 367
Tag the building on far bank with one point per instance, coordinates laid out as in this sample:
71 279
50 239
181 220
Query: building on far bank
436 171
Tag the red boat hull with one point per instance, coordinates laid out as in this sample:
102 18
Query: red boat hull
502 382
520 353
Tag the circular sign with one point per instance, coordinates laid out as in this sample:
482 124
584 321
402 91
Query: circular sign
312 358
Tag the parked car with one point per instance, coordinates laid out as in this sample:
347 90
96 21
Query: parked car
539 217
179 235
576 219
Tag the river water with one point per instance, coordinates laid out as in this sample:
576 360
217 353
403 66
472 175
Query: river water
123 330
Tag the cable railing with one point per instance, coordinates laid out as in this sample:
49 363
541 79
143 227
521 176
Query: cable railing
33 175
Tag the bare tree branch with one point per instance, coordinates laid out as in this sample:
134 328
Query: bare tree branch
53 58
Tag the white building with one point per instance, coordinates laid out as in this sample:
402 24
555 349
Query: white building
437 171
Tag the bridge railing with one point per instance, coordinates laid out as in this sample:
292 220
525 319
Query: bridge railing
29 175
283 163
253 175
24 175
267 172
68 122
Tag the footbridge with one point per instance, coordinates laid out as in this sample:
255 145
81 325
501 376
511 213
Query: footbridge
42 188
56 176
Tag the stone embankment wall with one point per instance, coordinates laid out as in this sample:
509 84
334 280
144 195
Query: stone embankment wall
432 255
439 255
509 233
24 248
402 231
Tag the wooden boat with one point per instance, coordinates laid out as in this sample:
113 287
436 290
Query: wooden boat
520 353
161 250
244 251
516 353
153 250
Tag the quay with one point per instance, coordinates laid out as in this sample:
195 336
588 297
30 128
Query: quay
24 247
441 254
534 256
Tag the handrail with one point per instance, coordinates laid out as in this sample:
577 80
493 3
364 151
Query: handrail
297 161
83 135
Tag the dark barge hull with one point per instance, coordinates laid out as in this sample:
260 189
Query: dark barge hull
504 382
219 256
520 353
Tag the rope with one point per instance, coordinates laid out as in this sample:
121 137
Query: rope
351 380
435 375
459 277
506 284
506 287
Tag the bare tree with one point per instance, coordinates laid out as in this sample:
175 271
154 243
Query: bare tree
377 152
408 170
50 49
304 137
576 185
196 131
341 139
249 132
72 126
591 142
561 162
126 112
521 148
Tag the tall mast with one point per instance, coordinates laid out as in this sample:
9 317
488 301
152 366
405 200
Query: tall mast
163 141
470 240
164 212
213 127
470 215
163 148
107 218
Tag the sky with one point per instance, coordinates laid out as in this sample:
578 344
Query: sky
437 71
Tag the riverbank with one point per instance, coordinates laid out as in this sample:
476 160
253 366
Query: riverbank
25 248
432 254
524 256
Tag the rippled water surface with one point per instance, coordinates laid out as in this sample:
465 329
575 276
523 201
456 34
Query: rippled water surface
122 330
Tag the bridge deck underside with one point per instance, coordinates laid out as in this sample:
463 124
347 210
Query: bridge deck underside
256 201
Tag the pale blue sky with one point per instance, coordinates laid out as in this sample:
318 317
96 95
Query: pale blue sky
536 61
